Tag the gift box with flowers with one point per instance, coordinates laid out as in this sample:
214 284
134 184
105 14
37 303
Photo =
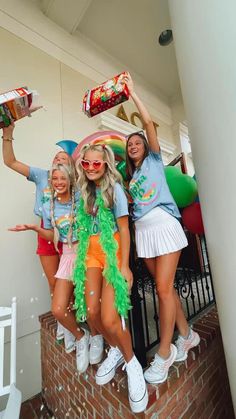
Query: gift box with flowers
105 96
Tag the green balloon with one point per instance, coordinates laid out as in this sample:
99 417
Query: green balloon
171 172
121 167
183 187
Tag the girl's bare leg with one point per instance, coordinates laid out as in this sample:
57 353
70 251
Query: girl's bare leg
50 265
60 307
93 295
111 322
180 320
166 266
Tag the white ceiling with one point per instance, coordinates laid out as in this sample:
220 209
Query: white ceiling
126 29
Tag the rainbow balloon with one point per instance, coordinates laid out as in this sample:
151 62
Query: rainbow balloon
114 139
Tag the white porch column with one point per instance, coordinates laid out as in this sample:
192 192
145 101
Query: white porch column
205 41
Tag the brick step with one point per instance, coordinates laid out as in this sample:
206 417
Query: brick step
195 388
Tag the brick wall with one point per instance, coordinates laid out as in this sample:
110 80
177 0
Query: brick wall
197 388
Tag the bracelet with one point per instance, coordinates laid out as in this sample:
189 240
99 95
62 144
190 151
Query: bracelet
7 139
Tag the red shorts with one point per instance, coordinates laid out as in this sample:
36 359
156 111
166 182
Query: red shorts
47 248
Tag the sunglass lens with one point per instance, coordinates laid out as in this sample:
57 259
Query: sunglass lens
85 164
97 165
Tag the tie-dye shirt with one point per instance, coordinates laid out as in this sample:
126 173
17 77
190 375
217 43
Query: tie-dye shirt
62 216
42 194
148 188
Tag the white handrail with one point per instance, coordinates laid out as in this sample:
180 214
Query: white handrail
1 358
13 343
4 313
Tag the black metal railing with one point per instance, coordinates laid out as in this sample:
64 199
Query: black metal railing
193 282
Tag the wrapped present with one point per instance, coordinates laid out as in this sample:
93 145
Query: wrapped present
105 96
16 104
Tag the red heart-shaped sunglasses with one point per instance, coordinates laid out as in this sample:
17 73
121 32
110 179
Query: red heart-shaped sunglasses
96 164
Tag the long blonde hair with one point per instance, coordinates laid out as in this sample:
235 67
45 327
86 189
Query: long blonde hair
107 183
69 172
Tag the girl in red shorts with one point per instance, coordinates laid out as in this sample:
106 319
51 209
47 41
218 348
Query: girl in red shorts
49 256
102 276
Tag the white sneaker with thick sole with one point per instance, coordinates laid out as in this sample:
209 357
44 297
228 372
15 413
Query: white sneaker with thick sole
185 344
69 341
82 352
137 389
96 349
59 332
158 370
107 369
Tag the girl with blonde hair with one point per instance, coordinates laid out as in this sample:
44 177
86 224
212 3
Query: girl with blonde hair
102 276
59 224
49 256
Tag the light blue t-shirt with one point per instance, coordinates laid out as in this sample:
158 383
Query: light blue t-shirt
119 209
40 178
62 216
148 188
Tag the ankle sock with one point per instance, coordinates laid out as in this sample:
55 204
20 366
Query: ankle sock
188 335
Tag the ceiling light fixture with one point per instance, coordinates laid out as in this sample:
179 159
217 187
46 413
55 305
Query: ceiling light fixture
166 37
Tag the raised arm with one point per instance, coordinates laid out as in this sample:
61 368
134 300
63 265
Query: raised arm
146 118
8 152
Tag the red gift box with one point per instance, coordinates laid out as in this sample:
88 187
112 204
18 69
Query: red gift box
105 96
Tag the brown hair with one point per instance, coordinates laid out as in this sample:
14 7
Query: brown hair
130 167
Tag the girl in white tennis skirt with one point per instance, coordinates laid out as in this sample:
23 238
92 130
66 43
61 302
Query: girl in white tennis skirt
159 239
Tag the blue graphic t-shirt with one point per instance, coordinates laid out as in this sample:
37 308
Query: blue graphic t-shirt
120 209
148 188
62 216
40 178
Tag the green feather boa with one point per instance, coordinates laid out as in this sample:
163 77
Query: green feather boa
109 245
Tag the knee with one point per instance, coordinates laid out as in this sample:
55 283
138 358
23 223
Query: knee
58 311
111 324
164 292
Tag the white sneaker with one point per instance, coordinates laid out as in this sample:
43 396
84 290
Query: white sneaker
185 344
82 352
59 332
69 341
96 349
138 394
107 370
158 370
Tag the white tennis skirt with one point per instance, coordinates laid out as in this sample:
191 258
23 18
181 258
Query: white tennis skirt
158 233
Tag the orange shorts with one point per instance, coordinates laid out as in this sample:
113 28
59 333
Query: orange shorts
96 258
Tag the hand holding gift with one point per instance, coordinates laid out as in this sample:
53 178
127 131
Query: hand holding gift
7 132
16 104
127 79
106 95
